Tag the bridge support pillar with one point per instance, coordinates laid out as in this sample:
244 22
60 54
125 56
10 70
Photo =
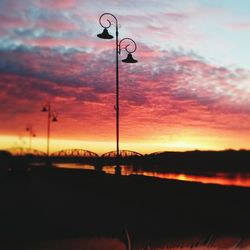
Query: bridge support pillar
98 168
118 170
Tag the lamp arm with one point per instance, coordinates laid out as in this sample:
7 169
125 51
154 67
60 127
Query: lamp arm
127 45
101 20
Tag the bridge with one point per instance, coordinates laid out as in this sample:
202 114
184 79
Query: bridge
81 153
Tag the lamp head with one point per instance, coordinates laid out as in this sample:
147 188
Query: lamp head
54 119
44 109
129 59
105 34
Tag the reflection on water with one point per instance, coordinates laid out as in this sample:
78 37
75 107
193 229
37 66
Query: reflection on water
221 179
226 179
75 166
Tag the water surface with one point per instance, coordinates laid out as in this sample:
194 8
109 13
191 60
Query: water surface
226 179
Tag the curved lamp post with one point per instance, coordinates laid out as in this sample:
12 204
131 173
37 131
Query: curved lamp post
52 117
105 22
29 129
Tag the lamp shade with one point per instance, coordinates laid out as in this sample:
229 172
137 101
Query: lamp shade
129 59
105 34
44 109
54 119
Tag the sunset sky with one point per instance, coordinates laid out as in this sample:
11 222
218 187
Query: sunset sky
189 90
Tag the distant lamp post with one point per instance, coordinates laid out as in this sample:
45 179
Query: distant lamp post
29 129
52 117
130 48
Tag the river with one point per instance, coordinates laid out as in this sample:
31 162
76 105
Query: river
226 179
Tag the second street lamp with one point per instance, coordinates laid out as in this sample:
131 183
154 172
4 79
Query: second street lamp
52 116
106 22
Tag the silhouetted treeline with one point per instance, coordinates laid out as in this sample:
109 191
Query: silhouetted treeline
224 161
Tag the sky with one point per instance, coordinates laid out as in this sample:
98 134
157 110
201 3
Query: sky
189 90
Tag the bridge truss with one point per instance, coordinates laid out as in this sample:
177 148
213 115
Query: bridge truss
75 153
123 153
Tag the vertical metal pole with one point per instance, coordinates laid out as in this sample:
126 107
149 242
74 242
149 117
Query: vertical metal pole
48 130
117 96
30 134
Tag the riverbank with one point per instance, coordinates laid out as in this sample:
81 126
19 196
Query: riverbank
47 204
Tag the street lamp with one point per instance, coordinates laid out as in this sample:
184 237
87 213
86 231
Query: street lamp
106 23
29 129
52 116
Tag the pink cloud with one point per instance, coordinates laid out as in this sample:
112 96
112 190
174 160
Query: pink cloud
12 22
57 4
57 25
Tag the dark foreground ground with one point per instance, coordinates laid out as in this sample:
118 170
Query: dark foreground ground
48 204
